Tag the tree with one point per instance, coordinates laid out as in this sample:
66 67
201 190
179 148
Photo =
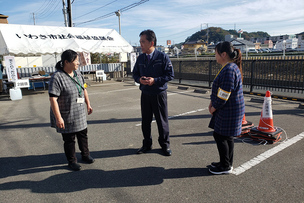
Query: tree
97 58
217 34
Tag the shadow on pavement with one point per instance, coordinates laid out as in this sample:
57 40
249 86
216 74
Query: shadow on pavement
87 179
81 180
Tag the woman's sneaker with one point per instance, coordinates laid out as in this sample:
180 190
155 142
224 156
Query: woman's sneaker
220 170
217 164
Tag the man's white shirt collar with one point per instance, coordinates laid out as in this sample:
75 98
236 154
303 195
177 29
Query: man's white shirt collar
151 54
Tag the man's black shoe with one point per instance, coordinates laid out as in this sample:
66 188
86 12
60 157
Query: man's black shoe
74 166
144 150
167 151
88 159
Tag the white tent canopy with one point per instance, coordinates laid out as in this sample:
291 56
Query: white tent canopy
33 39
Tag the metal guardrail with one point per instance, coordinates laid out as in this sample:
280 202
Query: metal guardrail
28 71
260 56
274 74
279 75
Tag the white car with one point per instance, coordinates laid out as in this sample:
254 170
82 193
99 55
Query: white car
252 51
266 50
299 49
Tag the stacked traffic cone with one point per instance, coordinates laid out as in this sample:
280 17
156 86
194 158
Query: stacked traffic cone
246 126
265 130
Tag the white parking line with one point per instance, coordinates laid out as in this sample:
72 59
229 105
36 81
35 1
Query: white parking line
258 159
119 90
173 93
178 115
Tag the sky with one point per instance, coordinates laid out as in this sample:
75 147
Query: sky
173 20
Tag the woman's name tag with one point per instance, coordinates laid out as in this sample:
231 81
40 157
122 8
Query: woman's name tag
80 100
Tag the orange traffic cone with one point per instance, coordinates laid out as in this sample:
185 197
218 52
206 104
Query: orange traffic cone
244 122
265 130
266 121
246 126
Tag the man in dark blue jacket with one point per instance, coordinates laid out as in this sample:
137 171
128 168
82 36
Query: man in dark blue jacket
152 70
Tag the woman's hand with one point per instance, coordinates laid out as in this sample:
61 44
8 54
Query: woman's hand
60 123
211 108
90 109
57 114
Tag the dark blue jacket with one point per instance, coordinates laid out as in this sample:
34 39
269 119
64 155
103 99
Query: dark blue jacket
159 67
227 119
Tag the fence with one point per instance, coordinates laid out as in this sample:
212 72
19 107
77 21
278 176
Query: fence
279 75
28 71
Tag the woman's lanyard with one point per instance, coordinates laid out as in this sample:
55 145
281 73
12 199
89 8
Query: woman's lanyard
221 69
78 85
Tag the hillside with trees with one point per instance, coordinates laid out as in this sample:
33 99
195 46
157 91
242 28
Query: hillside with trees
216 34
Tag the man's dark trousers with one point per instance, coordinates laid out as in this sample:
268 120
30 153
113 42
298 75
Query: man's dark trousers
157 105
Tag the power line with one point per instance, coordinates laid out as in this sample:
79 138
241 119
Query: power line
95 9
41 7
50 12
113 13
133 5
45 9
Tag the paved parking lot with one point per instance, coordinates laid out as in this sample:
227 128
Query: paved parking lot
33 167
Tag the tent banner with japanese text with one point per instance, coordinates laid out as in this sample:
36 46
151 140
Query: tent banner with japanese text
33 39
11 70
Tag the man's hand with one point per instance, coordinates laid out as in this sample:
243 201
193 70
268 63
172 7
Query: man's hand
147 80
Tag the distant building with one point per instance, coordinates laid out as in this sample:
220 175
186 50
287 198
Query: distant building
137 50
176 50
194 46
211 48
274 39
280 38
229 38
288 44
162 49
242 44
267 44
3 19
238 43
300 41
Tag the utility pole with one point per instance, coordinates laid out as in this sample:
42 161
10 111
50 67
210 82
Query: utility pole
118 14
34 18
207 31
69 11
207 34
65 14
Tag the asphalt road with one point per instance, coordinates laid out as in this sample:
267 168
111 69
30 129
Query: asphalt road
33 167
